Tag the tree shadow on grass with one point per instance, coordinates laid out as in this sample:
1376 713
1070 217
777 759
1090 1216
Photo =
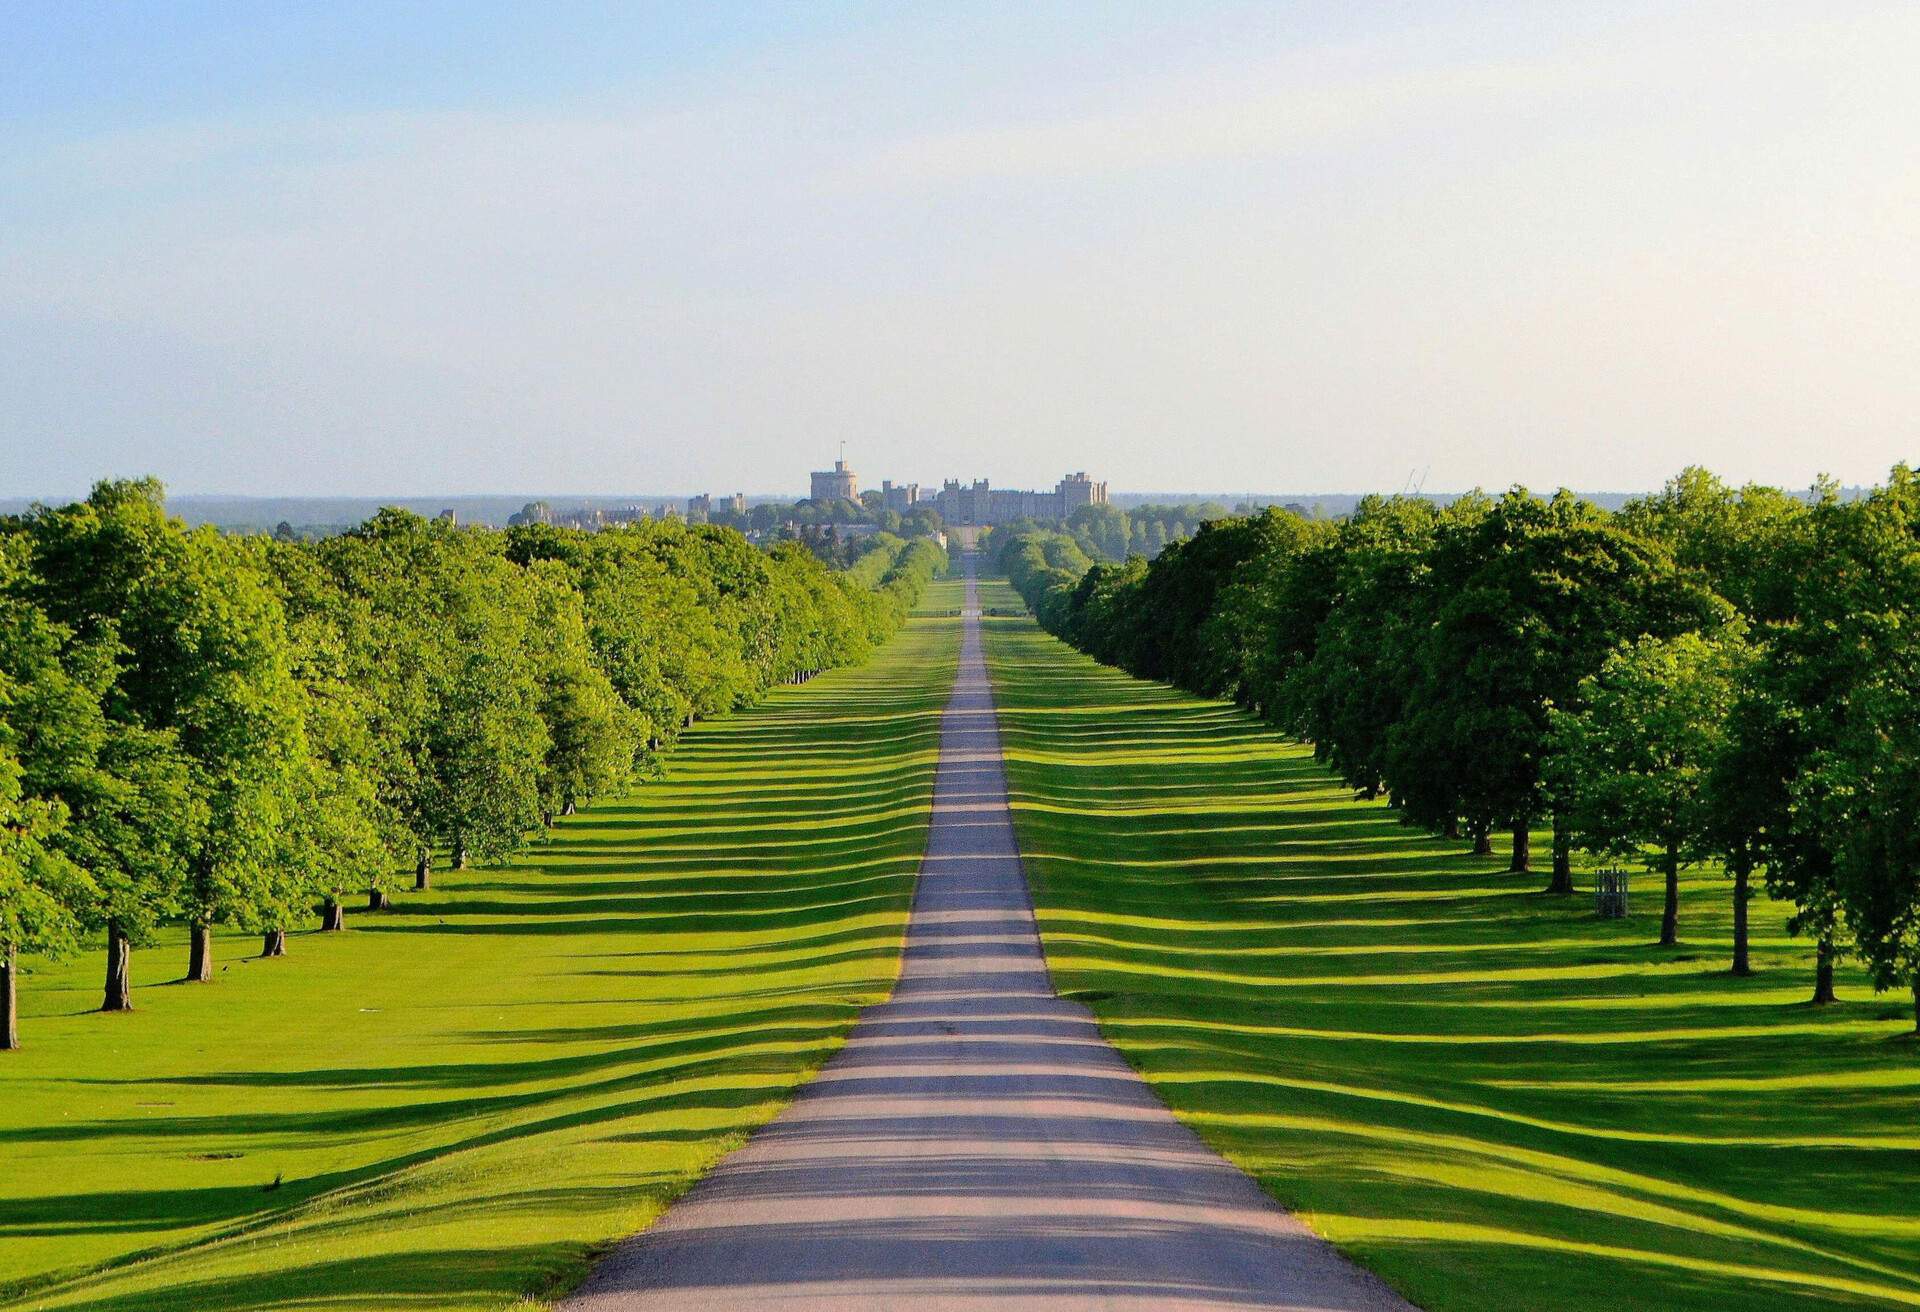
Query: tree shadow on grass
697 1052
244 1211
789 833
1486 1059
397 1278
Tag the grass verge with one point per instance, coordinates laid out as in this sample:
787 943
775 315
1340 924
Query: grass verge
455 1104
1489 1096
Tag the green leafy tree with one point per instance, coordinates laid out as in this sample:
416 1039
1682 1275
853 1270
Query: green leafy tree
1758 548
141 784
485 744
240 718
1792 718
1749 809
1745 546
1859 639
40 890
1102 531
1097 612
651 634
376 604
1636 760
1044 567
443 630
820 623
43 710
920 522
44 896
1176 598
342 834
591 734
1251 618
1339 669
1870 789
1529 598
332 843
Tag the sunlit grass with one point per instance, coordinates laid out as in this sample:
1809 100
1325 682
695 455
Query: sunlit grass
454 1104
1490 1096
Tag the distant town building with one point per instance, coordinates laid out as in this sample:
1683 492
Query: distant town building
964 503
836 484
958 502
450 519
1005 504
700 509
978 503
1077 490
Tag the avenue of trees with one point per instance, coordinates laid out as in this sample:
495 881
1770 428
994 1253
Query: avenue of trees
1112 533
1106 532
205 729
1709 675
919 522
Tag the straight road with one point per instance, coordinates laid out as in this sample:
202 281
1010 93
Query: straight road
976 1144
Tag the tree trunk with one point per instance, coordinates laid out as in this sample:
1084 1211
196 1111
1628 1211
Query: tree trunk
423 870
274 943
1670 915
376 899
1741 873
459 854
1916 1004
333 916
119 974
1482 842
1562 881
569 808
9 1007
1453 827
546 819
1522 847
1823 970
199 953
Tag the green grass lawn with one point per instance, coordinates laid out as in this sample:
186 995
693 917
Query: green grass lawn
1491 1097
455 1103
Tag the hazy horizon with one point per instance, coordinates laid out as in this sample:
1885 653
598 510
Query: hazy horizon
309 509
276 252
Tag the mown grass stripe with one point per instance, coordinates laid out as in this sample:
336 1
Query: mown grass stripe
454 1104
1490 1096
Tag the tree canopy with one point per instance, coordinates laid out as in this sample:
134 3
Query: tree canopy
230 730
1707 674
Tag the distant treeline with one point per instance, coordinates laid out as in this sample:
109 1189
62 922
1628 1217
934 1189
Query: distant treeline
319 516
212 729
1705 675
1113 534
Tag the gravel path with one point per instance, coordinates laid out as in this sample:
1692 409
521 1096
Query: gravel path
976 1144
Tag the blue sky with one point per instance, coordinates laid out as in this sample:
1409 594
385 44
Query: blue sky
598 248
100 65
